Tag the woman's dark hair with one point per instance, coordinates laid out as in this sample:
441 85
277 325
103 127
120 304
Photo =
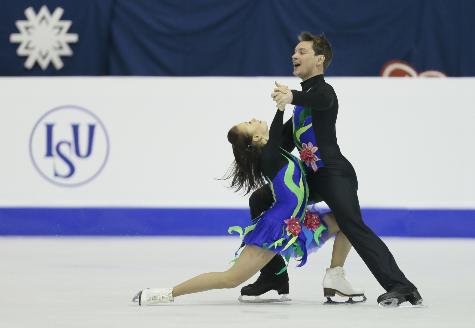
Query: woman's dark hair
321 46
246 170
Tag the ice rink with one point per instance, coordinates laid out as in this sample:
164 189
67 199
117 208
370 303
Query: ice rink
89 282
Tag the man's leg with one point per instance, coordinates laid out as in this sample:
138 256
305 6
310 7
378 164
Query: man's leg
260 201
340 193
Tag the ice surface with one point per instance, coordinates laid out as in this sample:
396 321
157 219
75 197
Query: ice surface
89 282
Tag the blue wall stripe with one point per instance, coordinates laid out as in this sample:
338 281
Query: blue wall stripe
212 222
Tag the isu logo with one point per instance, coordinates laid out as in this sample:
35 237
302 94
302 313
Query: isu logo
69 146
399 68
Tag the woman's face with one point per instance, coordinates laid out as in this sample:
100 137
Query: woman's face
257 129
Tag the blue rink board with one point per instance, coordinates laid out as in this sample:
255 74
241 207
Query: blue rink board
212 222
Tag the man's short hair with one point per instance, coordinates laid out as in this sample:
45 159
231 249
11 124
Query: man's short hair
321 46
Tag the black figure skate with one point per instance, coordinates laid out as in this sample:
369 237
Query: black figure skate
268 281
395 297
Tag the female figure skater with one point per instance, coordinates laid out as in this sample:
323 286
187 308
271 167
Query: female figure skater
284 228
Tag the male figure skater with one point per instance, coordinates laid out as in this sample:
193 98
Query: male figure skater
335 179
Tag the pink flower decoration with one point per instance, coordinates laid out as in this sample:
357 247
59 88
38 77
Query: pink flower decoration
311 221
293 226
307 155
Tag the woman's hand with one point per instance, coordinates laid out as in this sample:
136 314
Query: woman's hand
282 96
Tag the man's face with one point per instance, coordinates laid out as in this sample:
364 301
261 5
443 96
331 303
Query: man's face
305 61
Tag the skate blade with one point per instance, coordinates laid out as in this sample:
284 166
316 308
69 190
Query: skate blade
258 299
393 303
136 298
349 301
390 303
416 306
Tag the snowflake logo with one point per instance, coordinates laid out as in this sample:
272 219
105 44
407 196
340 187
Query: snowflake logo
43 38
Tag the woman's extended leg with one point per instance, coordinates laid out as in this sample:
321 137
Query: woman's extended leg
249 262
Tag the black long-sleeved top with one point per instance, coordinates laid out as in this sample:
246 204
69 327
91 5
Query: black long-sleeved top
272 160
322 99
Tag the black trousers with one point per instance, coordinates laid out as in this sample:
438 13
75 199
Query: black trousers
340 194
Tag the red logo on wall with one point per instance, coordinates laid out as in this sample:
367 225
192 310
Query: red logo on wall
399 68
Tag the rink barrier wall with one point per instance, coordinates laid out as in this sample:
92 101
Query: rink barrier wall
31 221
155 147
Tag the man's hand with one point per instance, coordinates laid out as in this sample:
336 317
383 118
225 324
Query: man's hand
281 87
282 95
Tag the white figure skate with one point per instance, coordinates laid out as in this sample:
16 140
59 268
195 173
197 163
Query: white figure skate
335 283
153 296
